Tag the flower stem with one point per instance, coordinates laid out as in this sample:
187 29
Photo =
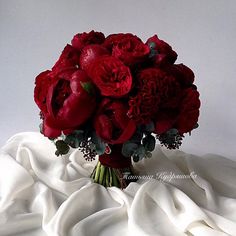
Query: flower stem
108 176
97 173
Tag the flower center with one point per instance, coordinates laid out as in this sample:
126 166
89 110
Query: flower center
61 93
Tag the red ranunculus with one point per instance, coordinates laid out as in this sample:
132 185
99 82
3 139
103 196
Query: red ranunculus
81 40
112 123
111 76
155 89
161 51
128 48
67 99
68 58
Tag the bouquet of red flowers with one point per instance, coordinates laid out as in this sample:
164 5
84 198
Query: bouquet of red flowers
113 97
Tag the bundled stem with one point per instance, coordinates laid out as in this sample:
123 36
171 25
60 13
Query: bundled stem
108 176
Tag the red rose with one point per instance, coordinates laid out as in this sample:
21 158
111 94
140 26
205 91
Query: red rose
161 51
68 58
112 123
81 40
111 76
67 100
128 48
42 83
155 89
90 53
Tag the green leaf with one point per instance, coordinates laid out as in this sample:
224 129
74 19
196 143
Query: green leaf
149 143
172 132
152 45
128 148
88 87
140 152
100 146
136 138
72 141
135 158
62 147
148 154
75 138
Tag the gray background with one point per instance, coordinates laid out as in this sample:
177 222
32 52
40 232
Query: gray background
203 33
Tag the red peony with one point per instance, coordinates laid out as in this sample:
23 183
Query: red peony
161 51
183 74
112 123
42 84
81 40
66 100
68 58
128 48
111 76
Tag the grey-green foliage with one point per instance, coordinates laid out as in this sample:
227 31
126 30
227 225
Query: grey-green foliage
75 138
128 148
99 145
149 143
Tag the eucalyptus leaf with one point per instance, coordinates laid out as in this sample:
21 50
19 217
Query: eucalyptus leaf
149 143
140 152
75 138
72 141
100 146
172 132
128 148
148 154
137 137
135 158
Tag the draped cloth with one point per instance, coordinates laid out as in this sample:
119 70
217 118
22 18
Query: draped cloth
42 194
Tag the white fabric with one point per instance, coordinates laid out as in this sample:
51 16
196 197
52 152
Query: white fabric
41 194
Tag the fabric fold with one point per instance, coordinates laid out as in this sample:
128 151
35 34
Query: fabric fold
176 194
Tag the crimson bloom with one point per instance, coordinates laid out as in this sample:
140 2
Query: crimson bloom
161 52
112 123
111 76
128 48
66 101
80 40
156 89
68 58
